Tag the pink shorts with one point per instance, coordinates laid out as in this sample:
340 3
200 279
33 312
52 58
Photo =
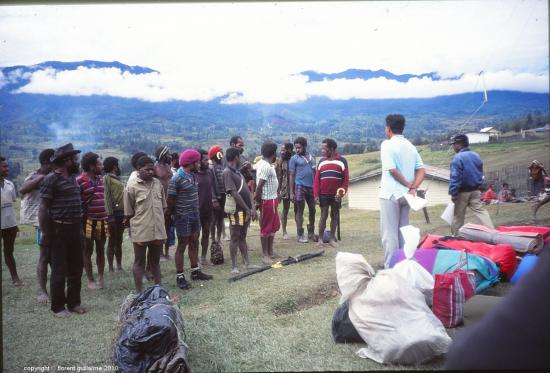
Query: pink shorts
270 222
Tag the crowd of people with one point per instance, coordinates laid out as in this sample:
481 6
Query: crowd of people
78 207
82 207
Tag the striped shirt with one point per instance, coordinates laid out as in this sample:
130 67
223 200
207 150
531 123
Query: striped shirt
266 171
332 174
64 194
93 196
184 189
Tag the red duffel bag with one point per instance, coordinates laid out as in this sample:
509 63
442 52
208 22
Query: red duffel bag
544 231
503 255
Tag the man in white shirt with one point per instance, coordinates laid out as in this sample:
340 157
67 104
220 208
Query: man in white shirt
9 224
402 172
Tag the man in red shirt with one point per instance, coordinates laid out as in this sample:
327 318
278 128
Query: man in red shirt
330 185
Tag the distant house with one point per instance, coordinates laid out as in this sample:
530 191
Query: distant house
546 128
491 131
478 137
364 190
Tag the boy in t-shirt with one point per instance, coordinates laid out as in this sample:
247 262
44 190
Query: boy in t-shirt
266 198
331 184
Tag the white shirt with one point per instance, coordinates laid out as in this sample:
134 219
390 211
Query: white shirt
398 153
30 204
266 171
8 199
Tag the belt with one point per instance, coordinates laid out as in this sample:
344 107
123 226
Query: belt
65 222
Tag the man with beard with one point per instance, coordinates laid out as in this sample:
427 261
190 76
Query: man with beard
208 201
96 228
331 184
144 205
302 172
29 215
217 228
283 177
60 218
9 224
183 203
114 205
163 172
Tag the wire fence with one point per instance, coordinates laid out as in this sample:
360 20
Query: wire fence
516 176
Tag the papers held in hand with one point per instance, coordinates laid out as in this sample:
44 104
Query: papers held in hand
448 214
416 203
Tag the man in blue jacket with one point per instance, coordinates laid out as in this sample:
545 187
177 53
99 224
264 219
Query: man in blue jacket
466 178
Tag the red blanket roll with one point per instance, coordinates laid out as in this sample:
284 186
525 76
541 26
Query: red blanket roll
503 255
544 231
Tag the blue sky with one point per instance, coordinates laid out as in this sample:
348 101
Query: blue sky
253 52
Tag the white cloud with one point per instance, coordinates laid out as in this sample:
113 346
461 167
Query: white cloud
156 87
206 50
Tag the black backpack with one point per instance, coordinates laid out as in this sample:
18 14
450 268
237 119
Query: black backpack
216 253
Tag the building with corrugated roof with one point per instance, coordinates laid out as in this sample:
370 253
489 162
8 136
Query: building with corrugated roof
364 190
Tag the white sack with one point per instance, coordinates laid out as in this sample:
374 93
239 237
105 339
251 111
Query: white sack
418 277
352 273
409 269
389 314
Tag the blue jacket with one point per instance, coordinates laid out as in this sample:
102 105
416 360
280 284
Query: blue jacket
466 172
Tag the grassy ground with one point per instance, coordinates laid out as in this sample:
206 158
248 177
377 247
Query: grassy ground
495 156
278 320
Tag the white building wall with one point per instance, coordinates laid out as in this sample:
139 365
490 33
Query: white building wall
364 194
478 138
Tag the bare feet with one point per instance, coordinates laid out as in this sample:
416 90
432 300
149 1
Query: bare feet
266 260
62 314
205 262
333 243
111 269
319 243
78 309
92 285
17 283
120 269
276 256
100 283
163 258
252 266
43 298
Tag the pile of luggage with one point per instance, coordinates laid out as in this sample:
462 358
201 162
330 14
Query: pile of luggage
401 313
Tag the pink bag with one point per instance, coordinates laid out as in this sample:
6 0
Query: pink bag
451 291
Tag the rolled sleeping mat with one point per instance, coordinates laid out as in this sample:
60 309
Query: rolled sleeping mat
523 242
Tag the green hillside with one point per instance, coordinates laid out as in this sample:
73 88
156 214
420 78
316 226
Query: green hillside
495 156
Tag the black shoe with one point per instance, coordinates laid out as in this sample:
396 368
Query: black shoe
198 275
182 282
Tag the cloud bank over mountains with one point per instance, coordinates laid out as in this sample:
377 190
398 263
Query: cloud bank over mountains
268 88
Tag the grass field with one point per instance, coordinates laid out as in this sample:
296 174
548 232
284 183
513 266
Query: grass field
494 156
278 320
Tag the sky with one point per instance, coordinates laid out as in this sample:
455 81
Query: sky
254 52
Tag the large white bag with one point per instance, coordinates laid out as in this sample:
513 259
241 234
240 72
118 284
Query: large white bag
409 269
389 314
